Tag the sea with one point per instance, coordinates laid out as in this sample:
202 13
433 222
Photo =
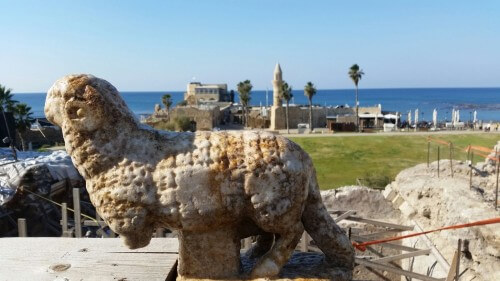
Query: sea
486 101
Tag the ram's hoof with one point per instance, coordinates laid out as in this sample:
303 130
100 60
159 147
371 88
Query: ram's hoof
135 241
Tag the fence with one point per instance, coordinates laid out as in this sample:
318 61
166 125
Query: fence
471 150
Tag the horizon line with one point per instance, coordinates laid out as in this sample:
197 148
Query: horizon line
327 89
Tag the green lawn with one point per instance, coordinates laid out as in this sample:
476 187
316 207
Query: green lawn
340 160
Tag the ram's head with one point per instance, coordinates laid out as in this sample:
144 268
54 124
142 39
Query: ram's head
84 103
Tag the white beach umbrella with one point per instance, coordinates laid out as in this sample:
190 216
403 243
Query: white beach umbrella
475 116
457 116
409 118
435 117
416 117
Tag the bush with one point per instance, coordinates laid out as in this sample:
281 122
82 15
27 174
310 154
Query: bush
183 124
376 180
180 124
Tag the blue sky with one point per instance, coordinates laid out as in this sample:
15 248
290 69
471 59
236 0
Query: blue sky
162 45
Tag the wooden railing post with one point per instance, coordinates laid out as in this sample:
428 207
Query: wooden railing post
428 152
498 169
459 251
64 218
451 158
438 159
470 176
76 208
21 228
468 152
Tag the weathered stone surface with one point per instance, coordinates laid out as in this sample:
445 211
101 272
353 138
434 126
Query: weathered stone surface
215 188
434 202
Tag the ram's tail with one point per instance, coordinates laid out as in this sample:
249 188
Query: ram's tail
324 231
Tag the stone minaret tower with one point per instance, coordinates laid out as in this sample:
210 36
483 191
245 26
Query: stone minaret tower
276 109
277 82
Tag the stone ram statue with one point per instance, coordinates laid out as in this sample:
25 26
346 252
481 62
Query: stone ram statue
214 187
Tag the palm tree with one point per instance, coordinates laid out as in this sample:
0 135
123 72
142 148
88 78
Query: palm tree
309 92
22 114
167 101
355 73
286 94
7 104
244 90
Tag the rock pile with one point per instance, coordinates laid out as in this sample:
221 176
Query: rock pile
433 202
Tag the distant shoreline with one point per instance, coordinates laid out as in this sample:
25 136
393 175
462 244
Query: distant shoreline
486 101
263 90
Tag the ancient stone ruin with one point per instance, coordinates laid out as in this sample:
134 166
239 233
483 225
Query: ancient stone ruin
215 188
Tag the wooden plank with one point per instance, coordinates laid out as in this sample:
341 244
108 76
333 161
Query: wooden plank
403 256
58 186
457 268
93 223
396 270
452 273
85 259
381 234
344 215
21 228
339 212
387 244
434 251
380 223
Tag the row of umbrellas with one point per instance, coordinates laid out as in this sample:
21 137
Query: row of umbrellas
455 117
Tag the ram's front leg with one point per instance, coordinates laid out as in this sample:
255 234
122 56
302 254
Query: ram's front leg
209 255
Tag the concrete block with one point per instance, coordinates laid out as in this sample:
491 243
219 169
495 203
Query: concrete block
397 201
389 193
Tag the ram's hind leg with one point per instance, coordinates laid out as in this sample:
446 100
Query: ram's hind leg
272 262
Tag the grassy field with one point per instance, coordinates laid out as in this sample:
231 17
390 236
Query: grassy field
340 160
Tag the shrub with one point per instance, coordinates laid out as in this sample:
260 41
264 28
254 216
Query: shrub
376 180
183 124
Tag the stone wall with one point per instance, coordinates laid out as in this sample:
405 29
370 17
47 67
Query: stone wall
205 119
299 115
